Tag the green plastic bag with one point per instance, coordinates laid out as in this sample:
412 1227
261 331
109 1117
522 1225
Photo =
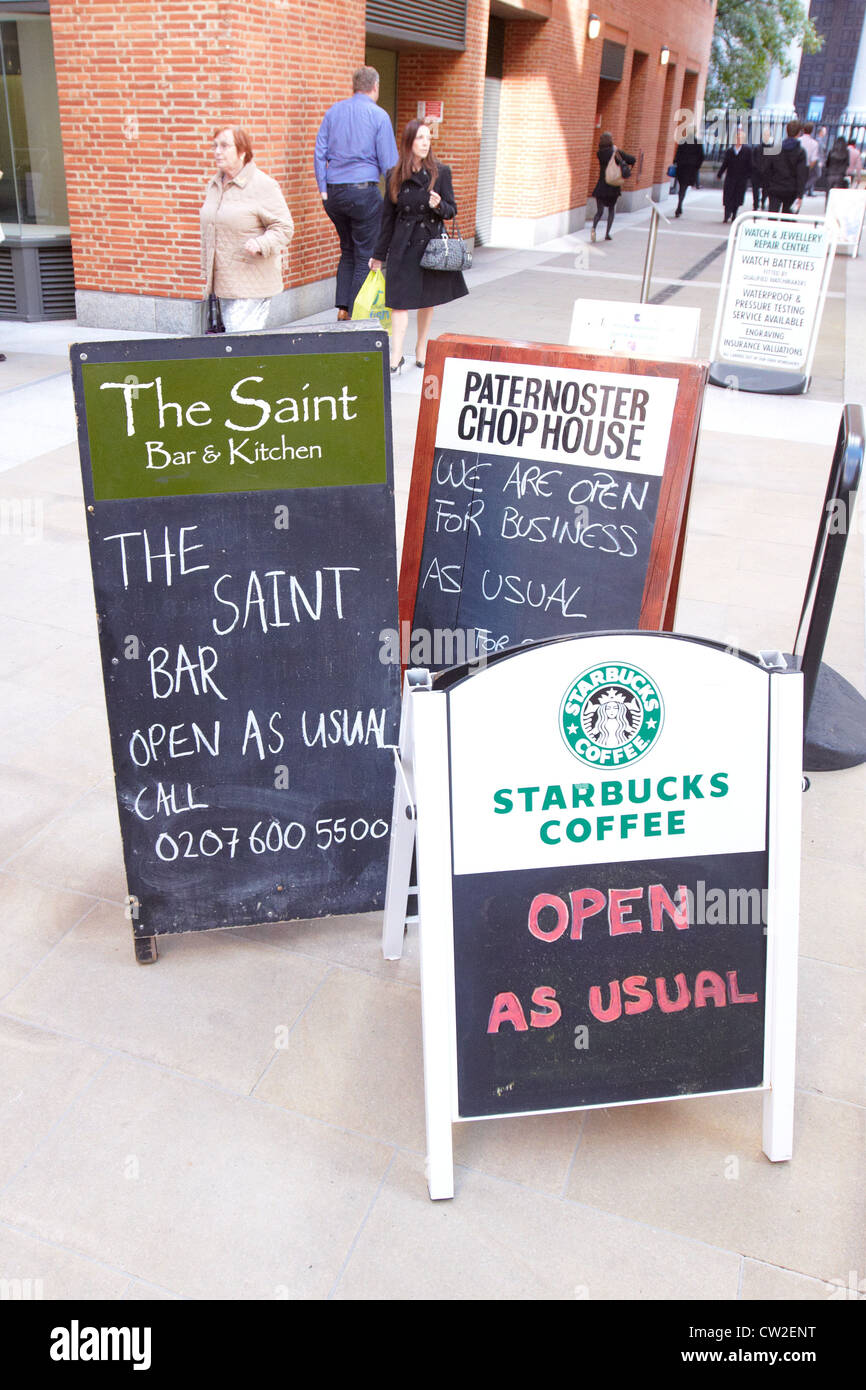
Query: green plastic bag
370 303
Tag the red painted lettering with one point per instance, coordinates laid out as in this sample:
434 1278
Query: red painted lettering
545 997
641 999
537 906
585 902
617 910
709 985
683 999
734 991
507 1009
613 1010
661 901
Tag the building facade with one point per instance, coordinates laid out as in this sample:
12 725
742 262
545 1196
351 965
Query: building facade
106 152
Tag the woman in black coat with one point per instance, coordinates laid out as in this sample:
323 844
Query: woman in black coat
736 169
418 198
606 194
688 160
836 168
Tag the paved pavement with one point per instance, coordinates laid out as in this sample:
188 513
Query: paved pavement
245 1119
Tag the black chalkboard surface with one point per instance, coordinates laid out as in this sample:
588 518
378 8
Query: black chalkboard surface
549 496
240 515
650 1013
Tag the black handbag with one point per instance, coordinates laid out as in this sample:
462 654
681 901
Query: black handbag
444 252
214 315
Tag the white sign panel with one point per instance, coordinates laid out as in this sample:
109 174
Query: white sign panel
622 766
634 330
608 851
773 294
557 414
847 207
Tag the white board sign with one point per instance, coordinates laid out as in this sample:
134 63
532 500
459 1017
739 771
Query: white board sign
633 329
608 857
773 291
556 415
847 207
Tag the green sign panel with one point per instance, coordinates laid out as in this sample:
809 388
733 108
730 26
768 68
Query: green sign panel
235 424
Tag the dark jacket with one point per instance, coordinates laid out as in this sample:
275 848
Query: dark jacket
837 165
736 169
605 192
785 173
688 159
759 161
404 231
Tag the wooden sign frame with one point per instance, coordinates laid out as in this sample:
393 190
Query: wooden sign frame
658 603
454 840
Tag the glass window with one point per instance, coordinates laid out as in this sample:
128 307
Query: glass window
33 186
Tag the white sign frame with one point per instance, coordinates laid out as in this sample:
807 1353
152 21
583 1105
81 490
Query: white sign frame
424 756
847 245
803 367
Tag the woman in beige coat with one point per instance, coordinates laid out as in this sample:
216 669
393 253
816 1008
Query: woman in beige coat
245 224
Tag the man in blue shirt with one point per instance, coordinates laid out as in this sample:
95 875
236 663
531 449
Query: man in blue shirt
354 146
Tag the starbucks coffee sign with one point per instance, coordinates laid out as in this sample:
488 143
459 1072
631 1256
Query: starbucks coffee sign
608 851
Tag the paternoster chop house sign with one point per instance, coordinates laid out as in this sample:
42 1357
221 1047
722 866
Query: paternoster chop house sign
608 855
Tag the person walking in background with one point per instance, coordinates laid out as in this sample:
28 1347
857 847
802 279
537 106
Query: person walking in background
735 168
837 166
823 139
355 146
759 157
812 148
419 196
688 160
245 226
606 194
785 176
855 164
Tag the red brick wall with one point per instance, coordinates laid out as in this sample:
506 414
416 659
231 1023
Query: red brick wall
141 88
458 80
551 97
142 84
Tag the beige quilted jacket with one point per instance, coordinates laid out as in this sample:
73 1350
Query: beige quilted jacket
249 205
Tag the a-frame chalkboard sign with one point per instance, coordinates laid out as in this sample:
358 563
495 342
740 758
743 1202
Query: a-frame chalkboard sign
608 838
239 497
549 496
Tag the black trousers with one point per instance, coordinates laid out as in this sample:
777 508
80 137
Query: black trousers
782 204
356 211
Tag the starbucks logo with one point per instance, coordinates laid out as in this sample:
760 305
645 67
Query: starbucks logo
611 715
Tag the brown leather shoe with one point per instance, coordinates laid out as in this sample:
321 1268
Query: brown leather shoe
342 314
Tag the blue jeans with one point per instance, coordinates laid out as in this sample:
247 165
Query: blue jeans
356 212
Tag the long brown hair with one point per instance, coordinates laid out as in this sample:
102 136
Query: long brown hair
403 168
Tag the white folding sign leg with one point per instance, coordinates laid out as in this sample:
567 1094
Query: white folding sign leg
435 932
402 840
783 909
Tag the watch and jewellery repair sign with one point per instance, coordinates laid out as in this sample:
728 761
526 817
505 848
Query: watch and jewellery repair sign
774 285
608 853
